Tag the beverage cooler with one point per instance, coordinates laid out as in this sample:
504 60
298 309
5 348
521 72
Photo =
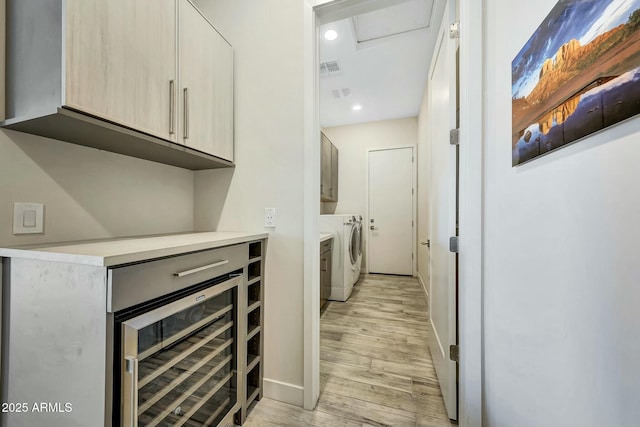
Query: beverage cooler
178 358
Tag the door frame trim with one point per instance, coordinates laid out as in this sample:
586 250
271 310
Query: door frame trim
471 406
414 201
470 268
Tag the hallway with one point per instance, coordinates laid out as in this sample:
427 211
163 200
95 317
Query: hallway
375 365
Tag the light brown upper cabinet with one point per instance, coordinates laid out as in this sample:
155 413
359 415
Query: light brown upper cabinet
121 62
206 84
329 171
105 74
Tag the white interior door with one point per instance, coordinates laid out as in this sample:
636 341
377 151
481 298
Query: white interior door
390 237
443 205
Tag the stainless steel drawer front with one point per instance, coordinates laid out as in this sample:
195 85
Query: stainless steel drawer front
134 284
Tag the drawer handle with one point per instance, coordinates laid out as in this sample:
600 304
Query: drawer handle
204 267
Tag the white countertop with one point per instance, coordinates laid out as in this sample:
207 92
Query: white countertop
123 250
325 236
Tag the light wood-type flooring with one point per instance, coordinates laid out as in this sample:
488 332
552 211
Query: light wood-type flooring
375 366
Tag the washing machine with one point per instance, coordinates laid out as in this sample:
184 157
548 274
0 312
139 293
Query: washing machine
346 243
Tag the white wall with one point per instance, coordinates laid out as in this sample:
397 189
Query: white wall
561 290
269 151
88 193
423 193
353 141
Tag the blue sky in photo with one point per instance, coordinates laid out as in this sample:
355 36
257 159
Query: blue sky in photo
570 19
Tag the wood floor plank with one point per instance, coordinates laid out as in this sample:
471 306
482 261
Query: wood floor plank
379 325
375 364
418 370
365 412
388 351
344 356
385 379
270 413
380 395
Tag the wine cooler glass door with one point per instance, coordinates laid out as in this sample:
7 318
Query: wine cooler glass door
179 361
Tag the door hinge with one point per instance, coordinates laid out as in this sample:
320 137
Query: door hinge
412 224
454 353
411 257
412 191
454 30
453 244
454 136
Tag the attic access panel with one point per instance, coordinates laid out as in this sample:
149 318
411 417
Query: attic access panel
407 16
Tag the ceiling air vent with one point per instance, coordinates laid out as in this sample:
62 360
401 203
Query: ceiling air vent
329 68
341 93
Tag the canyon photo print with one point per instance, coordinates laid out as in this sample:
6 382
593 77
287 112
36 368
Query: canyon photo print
579 73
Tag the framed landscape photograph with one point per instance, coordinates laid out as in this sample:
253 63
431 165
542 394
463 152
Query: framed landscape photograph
578 74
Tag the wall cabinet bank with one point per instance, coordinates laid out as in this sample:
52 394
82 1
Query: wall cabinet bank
329 170
151 79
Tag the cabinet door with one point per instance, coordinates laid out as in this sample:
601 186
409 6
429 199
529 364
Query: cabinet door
206 83
121 60
334 173
325 177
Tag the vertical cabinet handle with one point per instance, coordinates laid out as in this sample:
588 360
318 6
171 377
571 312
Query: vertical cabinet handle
172 107
186 113
131 369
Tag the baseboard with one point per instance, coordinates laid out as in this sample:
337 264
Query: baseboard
283 392
424 286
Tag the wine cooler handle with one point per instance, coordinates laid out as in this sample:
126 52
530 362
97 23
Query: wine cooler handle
199 269
131 367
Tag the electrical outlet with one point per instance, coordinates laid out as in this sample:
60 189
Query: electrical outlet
270 217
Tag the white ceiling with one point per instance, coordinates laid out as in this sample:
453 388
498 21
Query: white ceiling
386 71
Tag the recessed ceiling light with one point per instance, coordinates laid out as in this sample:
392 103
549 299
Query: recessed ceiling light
331 35
356 107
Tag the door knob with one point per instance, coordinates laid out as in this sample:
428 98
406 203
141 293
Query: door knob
427 243
372 227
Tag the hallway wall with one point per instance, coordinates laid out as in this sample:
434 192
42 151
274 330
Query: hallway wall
353 141
561 268
269 172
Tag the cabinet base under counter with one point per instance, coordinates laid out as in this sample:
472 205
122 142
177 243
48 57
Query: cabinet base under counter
64 307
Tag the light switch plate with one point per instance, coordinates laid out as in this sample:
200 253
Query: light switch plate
28 218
